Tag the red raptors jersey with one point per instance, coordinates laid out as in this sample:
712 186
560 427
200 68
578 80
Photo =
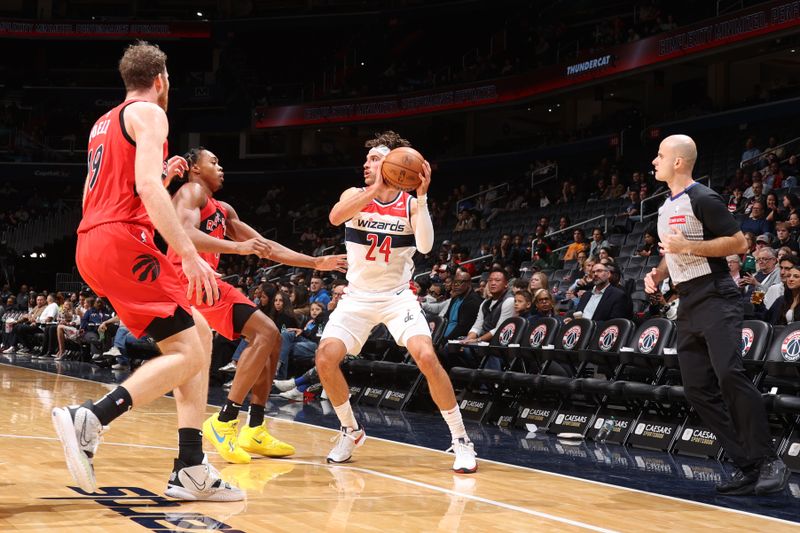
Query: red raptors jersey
111 192
213 219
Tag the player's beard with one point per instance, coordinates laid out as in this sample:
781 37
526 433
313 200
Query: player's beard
163 99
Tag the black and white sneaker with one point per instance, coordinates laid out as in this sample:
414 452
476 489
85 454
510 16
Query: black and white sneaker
773 476
200 482
79 430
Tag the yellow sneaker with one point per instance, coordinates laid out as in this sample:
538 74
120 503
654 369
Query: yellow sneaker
223 436
258 440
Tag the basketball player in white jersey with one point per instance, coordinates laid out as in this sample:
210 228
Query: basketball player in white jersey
383 228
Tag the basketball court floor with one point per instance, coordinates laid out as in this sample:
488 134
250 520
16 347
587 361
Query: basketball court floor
399 481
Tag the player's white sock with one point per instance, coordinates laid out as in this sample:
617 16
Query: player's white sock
345 414
455 422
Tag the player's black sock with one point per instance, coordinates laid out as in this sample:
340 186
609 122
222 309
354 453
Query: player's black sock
112 405
229 411
256 415
190 446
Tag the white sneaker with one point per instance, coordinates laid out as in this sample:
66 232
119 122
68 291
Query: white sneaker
79 430
10 349
284 385
293 395
200 482
227 385
465 456
113 352
230 367
347 440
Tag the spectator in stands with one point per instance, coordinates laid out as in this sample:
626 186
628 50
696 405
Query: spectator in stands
737 203
466 220
492 312
773 178
615 189
67 328
794 225
756 223
650 245
664 304
541 246
24 325
750 152
776 291
791 169
578 243
767 273
774 149
735 267
337 292
755 192
566 197
774 210
302 343
784 238
523 302
562 237
538 281
64 316
317 291
22 298
604 255
600 192
785 308
298 295
603 301
544 306
598 241
91 321
282 313
461 310
461 256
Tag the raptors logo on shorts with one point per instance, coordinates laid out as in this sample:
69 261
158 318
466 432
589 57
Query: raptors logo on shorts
146 266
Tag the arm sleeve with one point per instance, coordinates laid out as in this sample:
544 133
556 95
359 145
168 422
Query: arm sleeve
714 215
478 325
506 312
423 227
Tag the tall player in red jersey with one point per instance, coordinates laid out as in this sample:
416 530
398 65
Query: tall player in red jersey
207 222
123 201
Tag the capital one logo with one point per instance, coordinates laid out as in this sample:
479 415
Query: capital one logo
648 339
537 335
747 341
571 337
608 337
506 333
790 348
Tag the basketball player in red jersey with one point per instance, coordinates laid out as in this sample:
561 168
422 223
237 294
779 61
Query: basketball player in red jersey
384 227
207 222
123 201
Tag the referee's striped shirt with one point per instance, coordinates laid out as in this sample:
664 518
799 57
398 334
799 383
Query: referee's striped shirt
700 214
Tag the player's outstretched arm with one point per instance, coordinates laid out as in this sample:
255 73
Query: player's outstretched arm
188 202
147 124
238 230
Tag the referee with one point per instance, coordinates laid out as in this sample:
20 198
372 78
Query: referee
697 232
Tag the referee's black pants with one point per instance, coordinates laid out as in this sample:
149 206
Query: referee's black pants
709 336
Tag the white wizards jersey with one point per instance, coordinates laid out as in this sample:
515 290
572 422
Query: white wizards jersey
380 246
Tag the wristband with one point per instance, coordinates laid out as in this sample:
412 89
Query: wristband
422 200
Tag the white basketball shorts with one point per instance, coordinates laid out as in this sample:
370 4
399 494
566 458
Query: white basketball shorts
358 312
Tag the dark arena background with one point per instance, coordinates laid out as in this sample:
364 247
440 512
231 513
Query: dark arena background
540 120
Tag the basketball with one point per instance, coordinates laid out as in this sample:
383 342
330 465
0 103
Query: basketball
402 167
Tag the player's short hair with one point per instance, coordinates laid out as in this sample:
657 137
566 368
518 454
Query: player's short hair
389 139
140 64
193 155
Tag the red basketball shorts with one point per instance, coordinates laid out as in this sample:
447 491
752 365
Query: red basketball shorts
120 262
